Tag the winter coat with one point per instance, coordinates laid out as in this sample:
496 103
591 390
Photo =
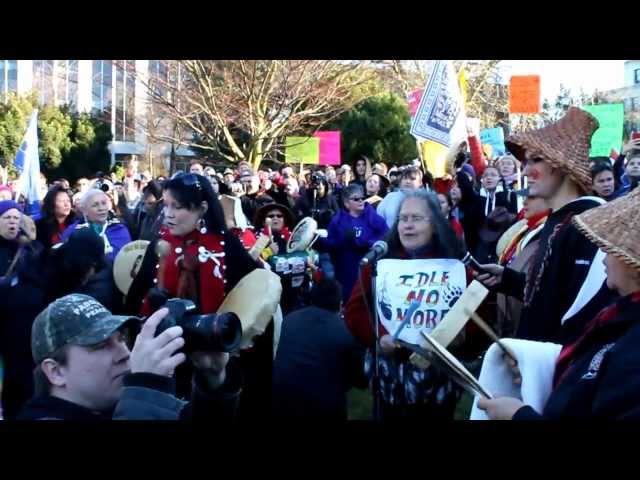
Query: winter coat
559 269
146 396
475 207
349 239
115 235
317 362
326 208
602 380
46 230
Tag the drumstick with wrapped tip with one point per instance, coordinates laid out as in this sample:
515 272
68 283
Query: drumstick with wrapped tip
269 232
492 335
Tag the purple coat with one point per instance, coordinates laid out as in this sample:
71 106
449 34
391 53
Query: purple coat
349 239
117 235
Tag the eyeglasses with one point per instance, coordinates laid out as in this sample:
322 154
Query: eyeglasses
275 215
412 218
357 199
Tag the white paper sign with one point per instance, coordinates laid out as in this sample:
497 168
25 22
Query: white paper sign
435 283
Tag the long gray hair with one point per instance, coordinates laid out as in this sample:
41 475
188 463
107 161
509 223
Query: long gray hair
444 242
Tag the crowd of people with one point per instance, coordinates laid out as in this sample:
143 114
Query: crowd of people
538 219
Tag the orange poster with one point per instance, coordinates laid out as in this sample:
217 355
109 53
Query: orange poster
524 94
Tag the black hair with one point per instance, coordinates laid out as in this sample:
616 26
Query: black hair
327 294
444 242
367 168
191 189
153 188
600 166
49 206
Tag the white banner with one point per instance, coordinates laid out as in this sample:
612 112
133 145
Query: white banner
441 115
435 283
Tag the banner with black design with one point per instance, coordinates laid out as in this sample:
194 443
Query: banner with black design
435 283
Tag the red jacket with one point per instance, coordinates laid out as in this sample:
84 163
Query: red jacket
478 161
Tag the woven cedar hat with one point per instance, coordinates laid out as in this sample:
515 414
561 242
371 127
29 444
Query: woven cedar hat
564 144
615 227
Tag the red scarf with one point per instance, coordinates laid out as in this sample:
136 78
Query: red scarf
532 223
185 272
568 352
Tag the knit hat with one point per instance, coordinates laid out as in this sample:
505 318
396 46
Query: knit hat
615 227
8 205
564 144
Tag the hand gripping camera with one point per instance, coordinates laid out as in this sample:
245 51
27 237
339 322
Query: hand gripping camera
209 332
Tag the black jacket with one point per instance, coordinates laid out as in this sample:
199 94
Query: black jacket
325 208
317 362
146 396
474 209
604 379
568 255
22 298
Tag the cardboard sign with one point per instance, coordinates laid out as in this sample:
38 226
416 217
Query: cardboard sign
609 135
435 283
524 94
495 138
302 150
329 147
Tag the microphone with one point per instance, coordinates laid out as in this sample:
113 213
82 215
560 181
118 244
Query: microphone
378 250
469 261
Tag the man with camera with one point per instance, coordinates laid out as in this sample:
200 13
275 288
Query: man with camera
85 370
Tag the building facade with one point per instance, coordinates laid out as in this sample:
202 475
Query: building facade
629 95
116 90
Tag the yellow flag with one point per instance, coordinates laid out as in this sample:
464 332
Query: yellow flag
434 158
462 82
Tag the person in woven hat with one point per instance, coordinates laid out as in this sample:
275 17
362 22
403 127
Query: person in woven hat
86 371
556 160
598 374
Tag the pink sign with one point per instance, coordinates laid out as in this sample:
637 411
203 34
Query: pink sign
329 147
414 101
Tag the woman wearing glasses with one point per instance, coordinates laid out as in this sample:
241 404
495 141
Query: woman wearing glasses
352 232
420 232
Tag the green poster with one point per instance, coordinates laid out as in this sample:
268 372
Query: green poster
302 149
609 135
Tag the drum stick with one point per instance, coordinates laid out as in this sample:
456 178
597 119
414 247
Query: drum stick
492 335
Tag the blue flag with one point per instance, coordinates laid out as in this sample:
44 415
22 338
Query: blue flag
27 162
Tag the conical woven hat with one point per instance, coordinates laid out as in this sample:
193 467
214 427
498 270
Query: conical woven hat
615 227
564 144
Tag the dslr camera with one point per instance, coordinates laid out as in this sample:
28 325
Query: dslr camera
209 332
103 184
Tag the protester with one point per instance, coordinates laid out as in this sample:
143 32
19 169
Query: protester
410 180
317 202
196 167
198 258
145 220
5 193
556 159
318 361
597 375
508 168
352 232
628 176
96 210
56 216
602 178
446 207
518 253
376 189
407 392
10 215
361 171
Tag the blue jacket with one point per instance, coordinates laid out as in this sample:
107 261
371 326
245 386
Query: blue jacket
349 240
